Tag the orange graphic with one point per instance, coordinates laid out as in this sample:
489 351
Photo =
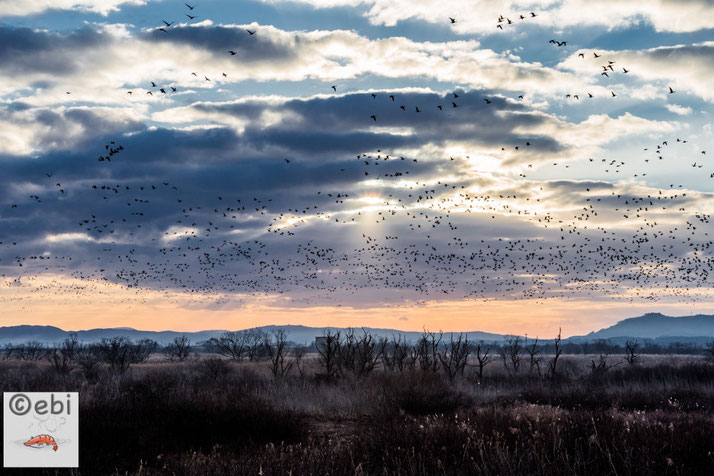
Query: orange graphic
41 441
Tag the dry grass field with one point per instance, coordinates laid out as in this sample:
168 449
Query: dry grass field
208 415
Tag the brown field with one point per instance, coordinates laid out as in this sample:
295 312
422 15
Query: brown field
213 416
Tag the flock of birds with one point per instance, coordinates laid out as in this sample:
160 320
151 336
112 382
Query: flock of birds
429 238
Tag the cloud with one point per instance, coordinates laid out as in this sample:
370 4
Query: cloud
302 201
25 130
680 110
243 220
287 125
100 65
686 68
481 16
10 8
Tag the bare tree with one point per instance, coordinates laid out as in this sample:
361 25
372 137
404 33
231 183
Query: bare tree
178 350
230 344
482 358
553 364
299 352
121 352
631 356
454 355
426 350
601 367
255 344
277 350
512 353
88 358
396 354
368 353
533 350
63 356
328 348
31 350
347 352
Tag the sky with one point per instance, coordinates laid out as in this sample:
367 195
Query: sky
503 166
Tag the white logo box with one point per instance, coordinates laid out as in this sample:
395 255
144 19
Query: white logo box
41 429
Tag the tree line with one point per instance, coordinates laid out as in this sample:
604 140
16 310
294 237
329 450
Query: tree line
348 352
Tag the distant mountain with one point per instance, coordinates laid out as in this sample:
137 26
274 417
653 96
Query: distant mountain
660 327
306 335
657 327
29 333
296 334
49 334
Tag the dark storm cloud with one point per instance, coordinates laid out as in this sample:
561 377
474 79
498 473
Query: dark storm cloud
220 39
473 120
24 50
219 229
49 130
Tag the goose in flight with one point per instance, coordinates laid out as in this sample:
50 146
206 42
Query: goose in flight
671 91
251 33
190 7
167 23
